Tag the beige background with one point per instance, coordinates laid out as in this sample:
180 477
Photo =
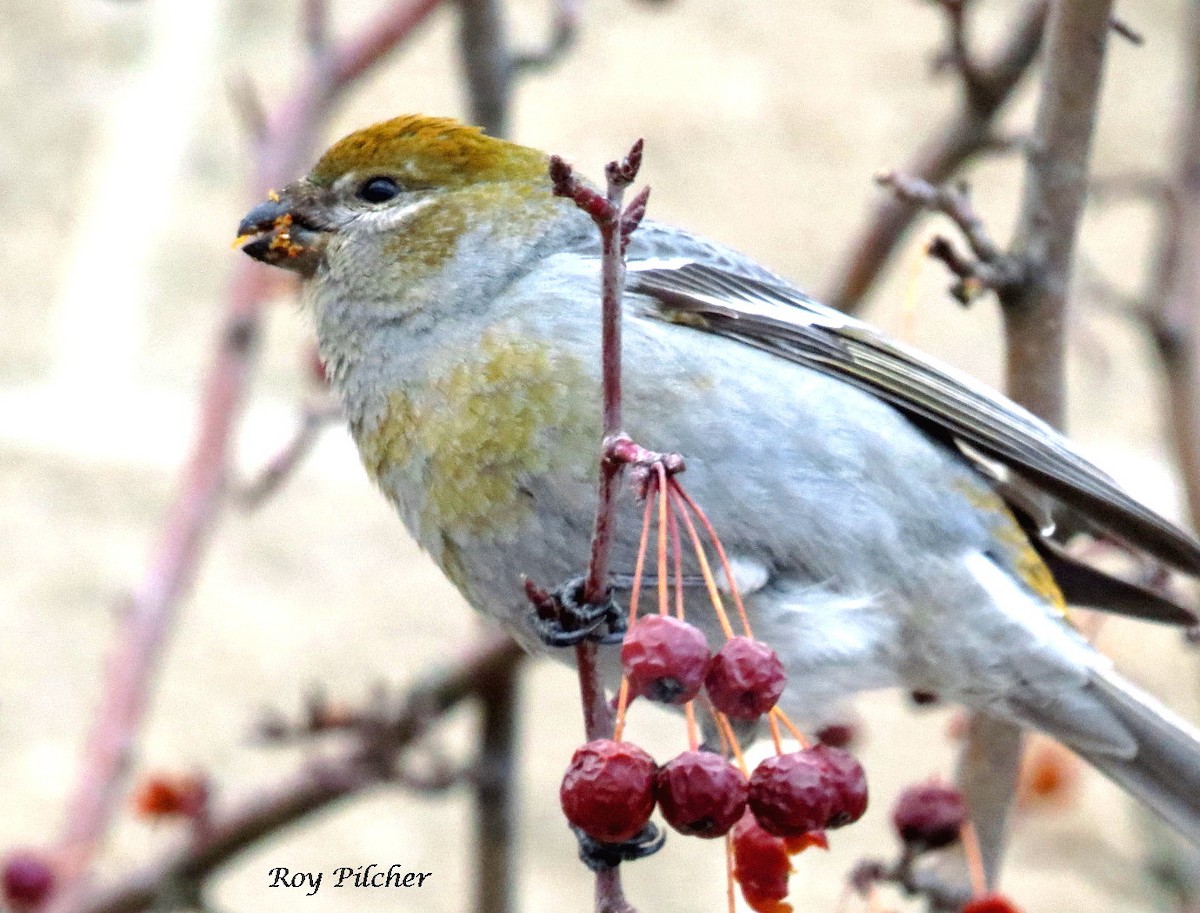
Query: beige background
121 180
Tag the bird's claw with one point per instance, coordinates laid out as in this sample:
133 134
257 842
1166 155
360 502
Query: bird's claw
600 857
575 620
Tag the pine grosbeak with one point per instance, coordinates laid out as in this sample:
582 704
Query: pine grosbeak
853 481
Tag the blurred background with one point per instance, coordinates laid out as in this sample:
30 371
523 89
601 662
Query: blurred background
124 170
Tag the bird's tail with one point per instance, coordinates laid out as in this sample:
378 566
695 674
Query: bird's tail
1165 772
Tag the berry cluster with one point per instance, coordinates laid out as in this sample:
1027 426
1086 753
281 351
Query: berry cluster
612 787
929 817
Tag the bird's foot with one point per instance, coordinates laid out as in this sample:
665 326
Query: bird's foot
565 619
600 857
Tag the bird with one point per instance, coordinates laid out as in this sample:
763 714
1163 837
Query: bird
889 521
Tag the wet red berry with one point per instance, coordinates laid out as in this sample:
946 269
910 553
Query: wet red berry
665 659
929 816
28 880
700 794
990 903
761 866
807 841
790 793
608 790
745 678
847 783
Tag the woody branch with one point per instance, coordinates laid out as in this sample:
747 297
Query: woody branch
1031 281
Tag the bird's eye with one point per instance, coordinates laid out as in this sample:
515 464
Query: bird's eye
378 190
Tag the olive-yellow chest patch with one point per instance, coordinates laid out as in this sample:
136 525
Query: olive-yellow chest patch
509 409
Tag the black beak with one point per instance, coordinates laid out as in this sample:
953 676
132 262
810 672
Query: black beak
261 221
281 236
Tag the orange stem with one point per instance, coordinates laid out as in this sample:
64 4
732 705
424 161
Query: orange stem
970 841
713 593
639 568
716 541
723 723
677 553
689 713
774 723
664 594
622 705
729 872
791 727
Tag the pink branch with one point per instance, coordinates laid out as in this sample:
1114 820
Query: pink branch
149 611
316 786
615 225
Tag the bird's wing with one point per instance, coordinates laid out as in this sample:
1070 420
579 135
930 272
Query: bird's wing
764 312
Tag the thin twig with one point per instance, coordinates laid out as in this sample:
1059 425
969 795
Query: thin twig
495 797
967 133
315 417
487 63
615 225
316 786
1172 318
149 611
990 268
564 30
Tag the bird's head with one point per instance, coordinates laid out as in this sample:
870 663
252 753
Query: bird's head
409 188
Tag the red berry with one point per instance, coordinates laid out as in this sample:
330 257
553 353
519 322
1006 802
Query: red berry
28 880
790 794
990 903
807 841
608 790
700 794
745 678
166 796
847 782
838 735
929 816
761 866
665 659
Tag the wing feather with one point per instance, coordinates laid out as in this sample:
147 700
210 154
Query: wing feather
777 318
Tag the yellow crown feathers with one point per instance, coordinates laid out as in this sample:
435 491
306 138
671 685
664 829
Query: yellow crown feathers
429 152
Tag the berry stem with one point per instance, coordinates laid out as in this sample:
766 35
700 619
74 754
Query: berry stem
727 730
638 570
622 705
791 727
677 551
970 842
664 577
689 712
774 724
713 593
640 565
729 873
716 541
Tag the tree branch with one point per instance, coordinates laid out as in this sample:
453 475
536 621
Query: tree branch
969 132
1035 328
483 668
149 611
495 795
1171 317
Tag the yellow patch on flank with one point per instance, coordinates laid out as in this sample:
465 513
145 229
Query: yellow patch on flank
472 433
1026 561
